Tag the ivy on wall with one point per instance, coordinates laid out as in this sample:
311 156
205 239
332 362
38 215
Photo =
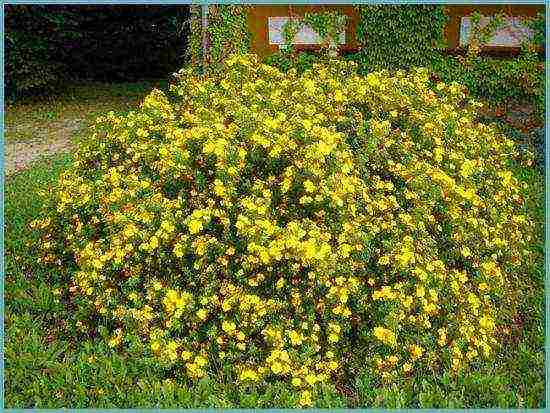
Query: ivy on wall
481 35
227 31
327 25
194 44
537 24
289 32
400 36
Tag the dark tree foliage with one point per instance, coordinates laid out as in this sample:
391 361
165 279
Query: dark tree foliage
47 44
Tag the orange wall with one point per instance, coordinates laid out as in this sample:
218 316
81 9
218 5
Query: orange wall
258 20
452 31
258 15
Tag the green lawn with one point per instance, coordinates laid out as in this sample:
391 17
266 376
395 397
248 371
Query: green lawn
48 366
80 102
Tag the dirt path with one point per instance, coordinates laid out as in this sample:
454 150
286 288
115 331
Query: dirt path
47 126
56 138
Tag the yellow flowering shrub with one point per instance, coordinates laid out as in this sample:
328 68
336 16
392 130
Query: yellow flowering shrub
276 223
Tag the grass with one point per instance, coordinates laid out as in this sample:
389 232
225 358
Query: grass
79 102
50 124
46 366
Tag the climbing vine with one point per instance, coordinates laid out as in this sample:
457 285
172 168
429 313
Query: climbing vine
521 78
400 36
195 36
289 32
537 24
327 25
480 33
228 32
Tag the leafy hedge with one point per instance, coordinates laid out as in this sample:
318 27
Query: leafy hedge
265 226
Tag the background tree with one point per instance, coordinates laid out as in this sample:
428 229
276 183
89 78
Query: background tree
47 44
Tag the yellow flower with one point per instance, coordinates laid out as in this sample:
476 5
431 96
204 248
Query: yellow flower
249 374
309 186
295 338
416 351
178 250
114 341
466 252
393 359
456 363
276 367
130 230
482 287
311 379
200 361
167 226
194 226
309 86
442 339
226 306
468 167
228 327
219 188
155 346
305 398
202 314
384 335
486 322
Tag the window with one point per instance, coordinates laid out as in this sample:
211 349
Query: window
305 36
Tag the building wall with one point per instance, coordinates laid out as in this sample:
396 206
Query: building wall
258 21
452 31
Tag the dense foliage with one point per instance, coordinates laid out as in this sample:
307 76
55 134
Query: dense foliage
46 44
327 26
389 42
270 226
227 32
400 36
195 37
497 80
298 61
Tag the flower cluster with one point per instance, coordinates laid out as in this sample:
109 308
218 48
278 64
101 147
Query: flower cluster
276 223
